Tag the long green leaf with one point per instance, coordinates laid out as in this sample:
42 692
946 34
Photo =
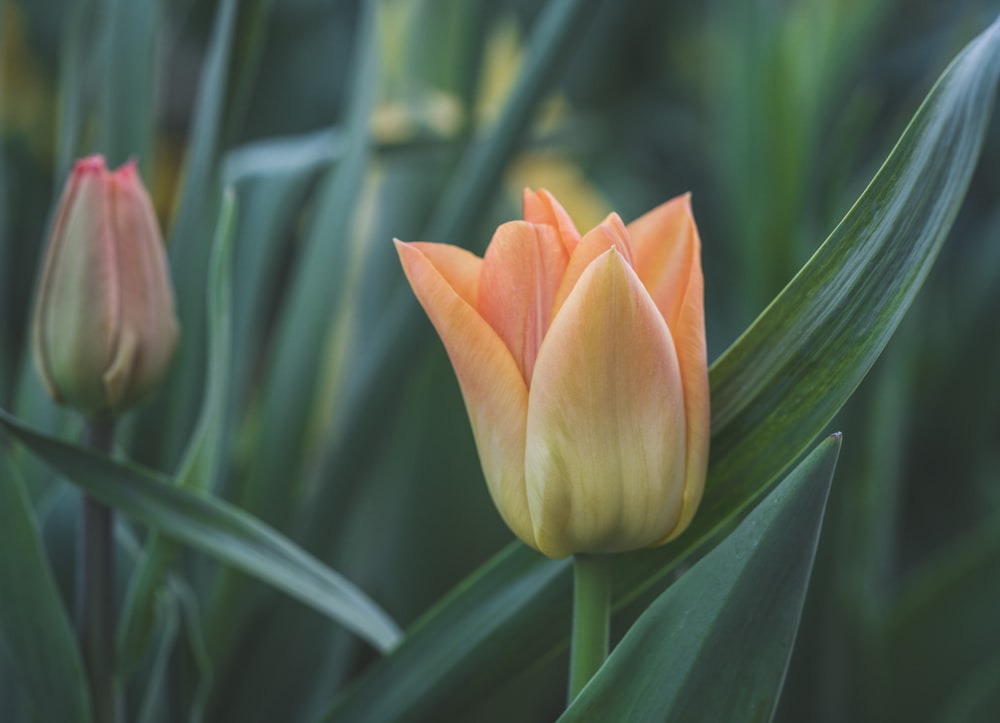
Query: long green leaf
772 393
715 646
126 94
189 253
318 282
201 461
216 528
290 376
33 622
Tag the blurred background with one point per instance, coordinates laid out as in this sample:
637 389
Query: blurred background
346 429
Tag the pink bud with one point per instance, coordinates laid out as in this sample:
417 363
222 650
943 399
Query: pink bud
104 328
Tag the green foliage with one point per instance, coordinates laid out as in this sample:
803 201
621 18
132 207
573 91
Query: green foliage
307 475
715 645
33 622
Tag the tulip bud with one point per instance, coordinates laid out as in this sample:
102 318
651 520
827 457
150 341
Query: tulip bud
583 367
104 326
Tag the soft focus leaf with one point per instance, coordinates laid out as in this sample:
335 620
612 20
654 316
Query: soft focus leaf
319 280
216 528
189 250
716 644
936 634
772 392
127 87
199 470
33 623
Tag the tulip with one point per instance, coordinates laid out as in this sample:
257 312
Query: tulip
104 327
582 363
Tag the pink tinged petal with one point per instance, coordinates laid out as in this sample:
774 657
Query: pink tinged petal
79 297
522 269
541 207
148 335
495 394
689 334
604 459
666 246
460 268
668 260
611 233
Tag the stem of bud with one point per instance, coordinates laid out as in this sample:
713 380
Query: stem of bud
95 586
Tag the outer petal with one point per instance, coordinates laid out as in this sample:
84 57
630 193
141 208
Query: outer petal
523 267
541 207
611 233
77 313
148 333
604 459
668 260
460 268
495 394
688 330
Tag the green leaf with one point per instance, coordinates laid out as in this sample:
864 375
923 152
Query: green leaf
290 377
715 646
189 253
33 622
937 646
772 393
125 126
317 286
272 178
199 470
215 527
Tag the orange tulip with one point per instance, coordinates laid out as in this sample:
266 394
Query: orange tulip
104 328
583 367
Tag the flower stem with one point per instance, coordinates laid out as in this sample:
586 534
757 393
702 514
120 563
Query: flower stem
591 616
95 586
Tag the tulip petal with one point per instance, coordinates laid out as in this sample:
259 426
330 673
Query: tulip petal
668 260
460 268
495 394
604 459
147 307
522 269
665 242
688 331
73 337
541 207
610 233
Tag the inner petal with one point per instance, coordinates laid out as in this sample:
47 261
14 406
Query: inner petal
611 233
541 207
522 270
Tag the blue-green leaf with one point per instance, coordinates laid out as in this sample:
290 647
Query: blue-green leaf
715 646
33 621
216 528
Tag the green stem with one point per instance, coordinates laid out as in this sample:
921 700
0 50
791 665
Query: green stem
591 617
95 586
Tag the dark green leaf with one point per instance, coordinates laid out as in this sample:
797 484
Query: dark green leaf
715 646
33 622
200 465
216 528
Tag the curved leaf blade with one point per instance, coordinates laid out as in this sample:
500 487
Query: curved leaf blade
728 626
216 528
33 621
201 460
